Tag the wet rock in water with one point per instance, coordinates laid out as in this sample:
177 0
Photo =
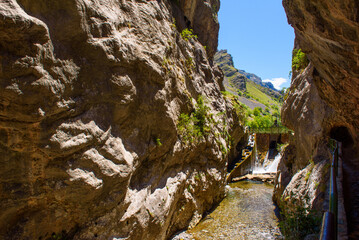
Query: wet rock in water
247 212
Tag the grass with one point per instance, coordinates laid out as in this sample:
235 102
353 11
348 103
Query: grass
258 95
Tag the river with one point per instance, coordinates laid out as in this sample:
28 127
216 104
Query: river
247 212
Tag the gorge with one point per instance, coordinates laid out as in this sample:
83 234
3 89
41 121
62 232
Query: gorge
113 122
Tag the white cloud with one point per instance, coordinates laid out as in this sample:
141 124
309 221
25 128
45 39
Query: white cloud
277 82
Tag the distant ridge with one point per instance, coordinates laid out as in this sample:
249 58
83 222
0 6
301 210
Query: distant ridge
238 78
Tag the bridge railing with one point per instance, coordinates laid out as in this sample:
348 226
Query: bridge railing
330 218
272 130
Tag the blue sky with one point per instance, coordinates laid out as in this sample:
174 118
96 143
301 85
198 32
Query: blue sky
257 35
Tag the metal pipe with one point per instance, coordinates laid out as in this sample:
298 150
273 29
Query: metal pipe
330 218
327 232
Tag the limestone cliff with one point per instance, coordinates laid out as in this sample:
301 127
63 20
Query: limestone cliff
232 76
323 97
90 98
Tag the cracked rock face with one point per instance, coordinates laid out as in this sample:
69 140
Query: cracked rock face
328 32
90 96
322 97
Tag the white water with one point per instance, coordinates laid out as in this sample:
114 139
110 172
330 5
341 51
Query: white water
271 168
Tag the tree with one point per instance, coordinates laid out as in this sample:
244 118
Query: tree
257 111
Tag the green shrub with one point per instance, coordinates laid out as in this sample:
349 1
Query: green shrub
261 122
246 95
196 125
242 112
275 107
266 110
299 60
257 111
200 116
173 24
59 236
188 34
276 114
189 63
299 223
158 142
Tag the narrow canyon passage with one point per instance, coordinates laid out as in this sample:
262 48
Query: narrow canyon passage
246 213
126 119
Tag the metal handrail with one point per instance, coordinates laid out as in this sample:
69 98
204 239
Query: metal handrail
330 218
273 129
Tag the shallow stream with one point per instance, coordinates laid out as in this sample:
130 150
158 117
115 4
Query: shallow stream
246 213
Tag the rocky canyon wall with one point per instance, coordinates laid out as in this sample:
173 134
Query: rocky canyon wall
90 97
323 96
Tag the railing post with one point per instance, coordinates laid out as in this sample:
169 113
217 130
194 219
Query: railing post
330 218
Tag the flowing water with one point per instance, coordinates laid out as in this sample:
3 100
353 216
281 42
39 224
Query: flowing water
246 213
271 168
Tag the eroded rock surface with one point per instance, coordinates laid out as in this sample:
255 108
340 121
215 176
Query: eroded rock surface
90 96
322 98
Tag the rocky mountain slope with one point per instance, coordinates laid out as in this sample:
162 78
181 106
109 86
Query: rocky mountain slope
232 75
225 61
257 80
322 102
90 100
238 80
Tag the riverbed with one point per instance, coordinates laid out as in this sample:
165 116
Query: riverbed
247 212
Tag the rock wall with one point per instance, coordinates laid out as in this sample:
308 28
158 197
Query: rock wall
90 96
322 97
225 62
309 116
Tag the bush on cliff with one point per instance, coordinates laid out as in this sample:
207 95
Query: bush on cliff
299 60
194 126
188 34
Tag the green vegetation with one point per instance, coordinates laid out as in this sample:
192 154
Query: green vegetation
200 122
261 122
215 12
173 24
299 60
189 63
196 125
261 119
242 110
59 236
188 34
158 142
310 169
257 119
255 93
197 177
299 223
281 146
265 118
